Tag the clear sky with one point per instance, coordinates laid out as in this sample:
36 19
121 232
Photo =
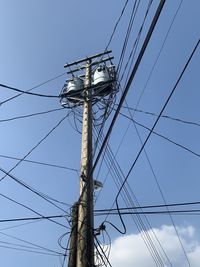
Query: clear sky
37 39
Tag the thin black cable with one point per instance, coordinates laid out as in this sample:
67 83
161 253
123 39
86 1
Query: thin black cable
153 206
43 196
39 85
32 251
32 210
135 45
115 27
18 225
163 116
26 92
32 218
31 115
33 148
166 212
159 53
161 135
30 243
40 163
131 21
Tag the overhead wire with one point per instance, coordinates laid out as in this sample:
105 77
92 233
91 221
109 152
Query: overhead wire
34 87
18 225
163 116
30 115
40 163
7 173
154 125
36 192
31 251
178 204
32 218
161 135
159 188
130 25
116 25
34 147
35 246
160 51
139 222
140 56
135 46
30 209
27 92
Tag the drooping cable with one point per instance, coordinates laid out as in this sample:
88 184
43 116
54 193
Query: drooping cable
27 92
39 85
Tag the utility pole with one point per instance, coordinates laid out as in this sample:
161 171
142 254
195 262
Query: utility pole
85 242
83 235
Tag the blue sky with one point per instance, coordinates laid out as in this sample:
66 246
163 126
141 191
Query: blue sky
37 39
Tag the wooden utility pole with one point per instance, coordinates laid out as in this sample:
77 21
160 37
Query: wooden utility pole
85 241
82 236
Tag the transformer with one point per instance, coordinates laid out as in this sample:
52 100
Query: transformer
103 79
75 85
72 91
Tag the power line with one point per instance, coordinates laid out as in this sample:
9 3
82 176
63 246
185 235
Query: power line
33 148
138 220
168 99
142 51
30 209
36 246
32 218
146 140
153 206
165 212
159 53
163 116
41 163
130 25
163 108
162 136
18 225
43 196
31 251
27 92
159 187
39 85
115 27
31 115
135 45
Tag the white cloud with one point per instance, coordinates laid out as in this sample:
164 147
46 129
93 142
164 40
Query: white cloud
130 250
